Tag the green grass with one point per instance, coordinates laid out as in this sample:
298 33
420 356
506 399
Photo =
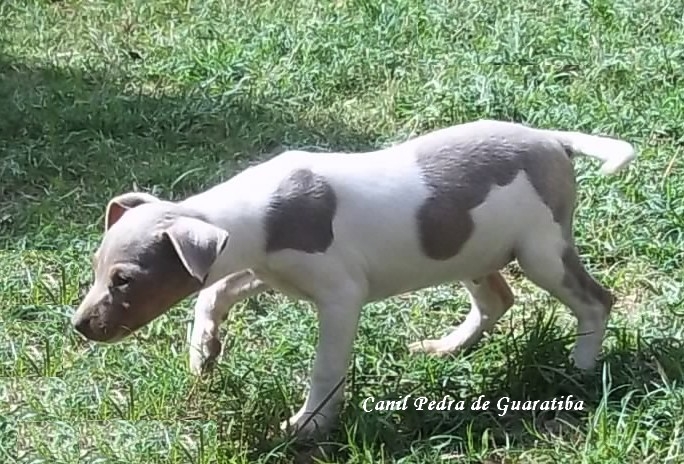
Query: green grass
101 97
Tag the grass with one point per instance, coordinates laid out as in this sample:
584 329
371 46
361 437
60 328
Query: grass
101 97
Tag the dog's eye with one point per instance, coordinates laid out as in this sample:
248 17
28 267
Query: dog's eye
119 280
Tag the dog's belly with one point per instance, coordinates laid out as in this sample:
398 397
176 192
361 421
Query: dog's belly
472 264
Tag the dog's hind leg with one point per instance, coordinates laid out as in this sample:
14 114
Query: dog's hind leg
552 263
490 298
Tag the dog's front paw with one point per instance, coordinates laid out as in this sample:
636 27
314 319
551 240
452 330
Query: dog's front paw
203 355
306 426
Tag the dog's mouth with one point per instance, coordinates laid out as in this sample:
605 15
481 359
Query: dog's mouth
93 329
104 336
115 338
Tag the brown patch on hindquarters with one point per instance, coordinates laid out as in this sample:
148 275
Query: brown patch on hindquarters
461 165
300 214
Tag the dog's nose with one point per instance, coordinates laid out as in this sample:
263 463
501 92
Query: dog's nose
82 325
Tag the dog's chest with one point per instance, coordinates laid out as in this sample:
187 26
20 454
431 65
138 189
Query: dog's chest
282 284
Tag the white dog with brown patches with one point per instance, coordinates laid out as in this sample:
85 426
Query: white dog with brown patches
341 230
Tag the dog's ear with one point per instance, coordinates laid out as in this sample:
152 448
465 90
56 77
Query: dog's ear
121 203
197 244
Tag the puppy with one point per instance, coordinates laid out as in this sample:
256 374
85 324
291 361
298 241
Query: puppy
344 229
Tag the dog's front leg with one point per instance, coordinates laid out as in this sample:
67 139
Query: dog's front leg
338 321
211 308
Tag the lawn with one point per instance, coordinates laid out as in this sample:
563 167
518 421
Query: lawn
101 97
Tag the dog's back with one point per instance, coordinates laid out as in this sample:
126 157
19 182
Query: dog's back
447 205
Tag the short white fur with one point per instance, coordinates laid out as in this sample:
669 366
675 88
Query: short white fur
376 253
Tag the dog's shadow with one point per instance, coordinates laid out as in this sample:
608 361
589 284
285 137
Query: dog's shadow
536 368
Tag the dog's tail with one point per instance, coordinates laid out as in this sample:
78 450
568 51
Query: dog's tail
615 153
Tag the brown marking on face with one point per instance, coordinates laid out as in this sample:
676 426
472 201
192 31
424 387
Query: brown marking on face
138 277
582 284
460 165
301 213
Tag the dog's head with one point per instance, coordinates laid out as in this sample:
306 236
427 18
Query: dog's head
153 255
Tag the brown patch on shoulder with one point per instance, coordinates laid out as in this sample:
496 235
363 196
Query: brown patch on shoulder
301 213
462 164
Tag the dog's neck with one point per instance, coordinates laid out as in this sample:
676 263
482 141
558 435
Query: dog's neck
227 207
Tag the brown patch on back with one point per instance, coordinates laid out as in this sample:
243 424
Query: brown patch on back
301 213
460 165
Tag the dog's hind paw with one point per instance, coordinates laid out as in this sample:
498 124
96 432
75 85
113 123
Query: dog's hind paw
433 347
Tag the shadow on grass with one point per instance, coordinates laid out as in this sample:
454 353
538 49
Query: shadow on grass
629 379
72 138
